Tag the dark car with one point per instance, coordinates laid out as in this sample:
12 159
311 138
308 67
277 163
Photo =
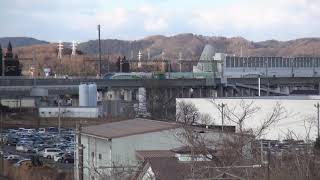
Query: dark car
66 158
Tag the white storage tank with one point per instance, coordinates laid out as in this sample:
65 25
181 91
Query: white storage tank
92 94
83 95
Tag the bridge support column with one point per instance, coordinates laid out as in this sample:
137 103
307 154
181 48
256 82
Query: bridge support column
127 95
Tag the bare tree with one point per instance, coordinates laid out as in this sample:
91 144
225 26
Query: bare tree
232 154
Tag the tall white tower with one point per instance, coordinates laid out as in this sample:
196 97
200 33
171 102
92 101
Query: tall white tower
60 48
74 48
139 59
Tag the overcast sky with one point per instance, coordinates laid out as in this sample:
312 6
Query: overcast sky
69 20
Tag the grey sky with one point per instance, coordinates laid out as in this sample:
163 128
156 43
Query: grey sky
69 20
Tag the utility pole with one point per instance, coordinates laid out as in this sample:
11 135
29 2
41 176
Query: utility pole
269 158
318 108
1 123
59 118
79 156
99 50
222 105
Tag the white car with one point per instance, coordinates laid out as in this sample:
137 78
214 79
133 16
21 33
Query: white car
50 152
24 148
42 130
58 157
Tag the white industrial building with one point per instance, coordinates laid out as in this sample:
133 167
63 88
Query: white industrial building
301 114
115 144
70 112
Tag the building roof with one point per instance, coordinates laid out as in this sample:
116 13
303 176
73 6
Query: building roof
127 128
146 154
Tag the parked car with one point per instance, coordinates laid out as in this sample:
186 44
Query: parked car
24 147
64 158
57 157
50 152
42 130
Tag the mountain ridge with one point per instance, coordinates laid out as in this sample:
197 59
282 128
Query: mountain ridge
188 45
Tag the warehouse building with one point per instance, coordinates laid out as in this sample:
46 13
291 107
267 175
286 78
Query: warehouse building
113 145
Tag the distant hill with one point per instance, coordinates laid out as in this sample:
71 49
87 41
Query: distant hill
20 41
191 46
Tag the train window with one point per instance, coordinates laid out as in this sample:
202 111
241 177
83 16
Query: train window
228 61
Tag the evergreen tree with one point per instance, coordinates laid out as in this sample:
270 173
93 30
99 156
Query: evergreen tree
9 54
118 64
125 65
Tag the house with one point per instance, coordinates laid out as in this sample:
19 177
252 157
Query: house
111 146
169 165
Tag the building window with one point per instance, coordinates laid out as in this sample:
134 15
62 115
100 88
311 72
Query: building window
261 62
228 62
100 156
232 61
269 61
236 62
241 62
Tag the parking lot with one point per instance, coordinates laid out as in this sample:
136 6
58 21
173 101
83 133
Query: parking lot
39 146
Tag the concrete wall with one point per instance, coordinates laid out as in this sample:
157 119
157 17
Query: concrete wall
84 112
301 114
